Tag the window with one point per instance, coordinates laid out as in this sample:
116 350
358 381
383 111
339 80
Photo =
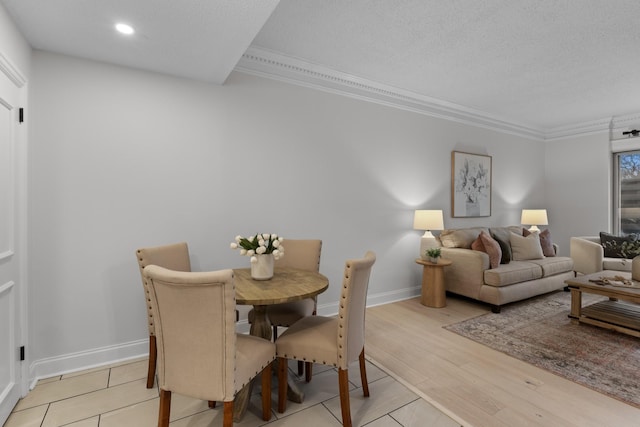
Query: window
627 192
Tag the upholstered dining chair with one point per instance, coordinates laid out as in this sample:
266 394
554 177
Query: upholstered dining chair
199 352
334 341
174 257
303 255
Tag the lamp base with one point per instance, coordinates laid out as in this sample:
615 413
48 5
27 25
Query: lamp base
534 229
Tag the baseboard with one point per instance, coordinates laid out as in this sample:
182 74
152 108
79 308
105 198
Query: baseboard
64 364
59 365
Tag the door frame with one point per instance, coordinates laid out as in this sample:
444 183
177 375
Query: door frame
18 251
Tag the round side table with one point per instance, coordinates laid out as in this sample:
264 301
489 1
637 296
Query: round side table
433 291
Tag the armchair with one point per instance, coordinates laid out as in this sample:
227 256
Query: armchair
588 256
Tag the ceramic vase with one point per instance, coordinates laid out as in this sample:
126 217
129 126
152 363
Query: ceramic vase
262 269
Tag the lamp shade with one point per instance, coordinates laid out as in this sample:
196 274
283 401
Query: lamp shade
428 220
534 217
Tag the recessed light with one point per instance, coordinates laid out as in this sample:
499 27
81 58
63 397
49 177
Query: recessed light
125 29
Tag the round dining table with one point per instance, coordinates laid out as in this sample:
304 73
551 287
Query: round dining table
286 285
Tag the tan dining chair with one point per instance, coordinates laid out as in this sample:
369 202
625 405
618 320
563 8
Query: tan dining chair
199 352
303 255
333 341
174 257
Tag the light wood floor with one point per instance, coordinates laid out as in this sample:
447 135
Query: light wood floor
474 384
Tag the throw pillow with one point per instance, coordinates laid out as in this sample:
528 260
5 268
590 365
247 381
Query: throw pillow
505 247
545 242
459 238
492 248
620 246
525 248
477 245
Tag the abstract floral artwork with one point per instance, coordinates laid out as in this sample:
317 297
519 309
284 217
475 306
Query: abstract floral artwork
470 184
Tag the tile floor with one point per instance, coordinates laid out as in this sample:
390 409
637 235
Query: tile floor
117 396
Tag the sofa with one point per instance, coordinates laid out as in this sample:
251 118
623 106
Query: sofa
517 274
590 255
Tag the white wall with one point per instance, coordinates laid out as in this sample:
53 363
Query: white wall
578 187
122 159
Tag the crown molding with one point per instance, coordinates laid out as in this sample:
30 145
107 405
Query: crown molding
292 70
11 71
276 66
576 129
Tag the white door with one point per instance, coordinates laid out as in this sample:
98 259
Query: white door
11 299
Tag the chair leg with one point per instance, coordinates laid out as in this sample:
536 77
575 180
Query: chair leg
343 385
212 404
300 367
275 333
153 353
266 393
308 371
282 384
227 414
165 408
363 374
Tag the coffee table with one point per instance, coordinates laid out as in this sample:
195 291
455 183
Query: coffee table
621 312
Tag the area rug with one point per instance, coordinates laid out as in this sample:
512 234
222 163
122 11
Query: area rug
538 331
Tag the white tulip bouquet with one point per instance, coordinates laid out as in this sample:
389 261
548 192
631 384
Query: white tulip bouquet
259 244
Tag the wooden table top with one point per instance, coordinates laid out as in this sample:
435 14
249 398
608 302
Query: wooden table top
585 282
442 262
287 284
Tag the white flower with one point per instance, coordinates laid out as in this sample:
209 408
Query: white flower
254 259
259 244
276 254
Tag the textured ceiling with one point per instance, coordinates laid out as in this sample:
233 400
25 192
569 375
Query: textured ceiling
542 65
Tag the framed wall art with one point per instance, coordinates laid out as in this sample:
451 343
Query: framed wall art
470 185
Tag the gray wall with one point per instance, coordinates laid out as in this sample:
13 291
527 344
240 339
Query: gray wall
121 159
578 187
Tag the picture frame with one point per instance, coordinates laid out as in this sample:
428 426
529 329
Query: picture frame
470 185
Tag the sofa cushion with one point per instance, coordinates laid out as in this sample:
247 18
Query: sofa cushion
525 248
618 264
505 247
554 265
545 241
620 246
547 244
460 238
477 245
514 272
492 248
503 233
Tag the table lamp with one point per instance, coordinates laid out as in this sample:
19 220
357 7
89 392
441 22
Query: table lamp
428 220
534 217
